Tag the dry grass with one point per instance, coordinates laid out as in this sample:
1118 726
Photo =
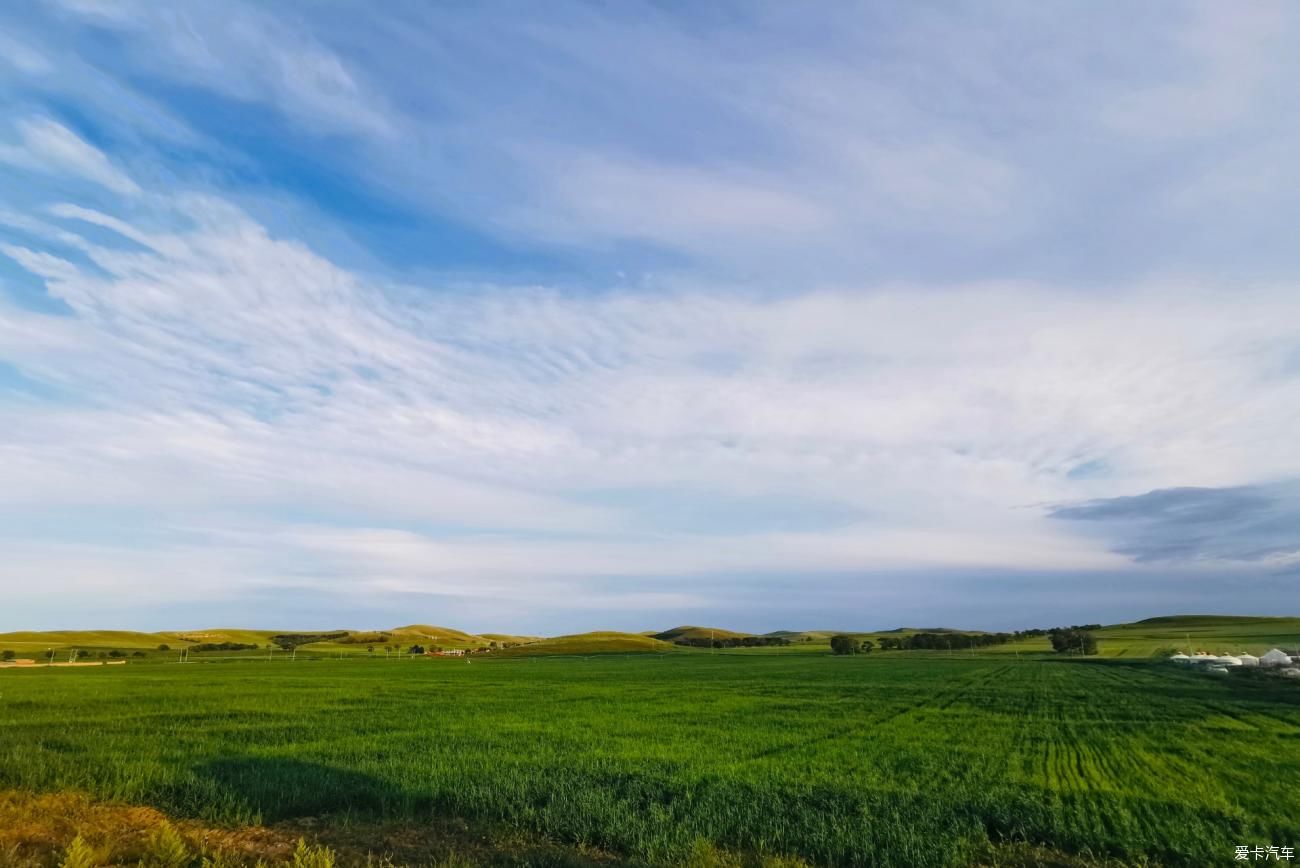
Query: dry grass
69 830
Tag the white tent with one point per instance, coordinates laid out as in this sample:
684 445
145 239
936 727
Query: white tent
1217 670
1227 660
1276 657
1183 658
1248 659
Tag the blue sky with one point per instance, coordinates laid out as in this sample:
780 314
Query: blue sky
622 315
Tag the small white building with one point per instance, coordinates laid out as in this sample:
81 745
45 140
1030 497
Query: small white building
1276 657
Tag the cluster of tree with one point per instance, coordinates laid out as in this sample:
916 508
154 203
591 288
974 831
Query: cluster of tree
289 641
7 655
102 655
732 641
370 638
842 644
221 646
1073 640
945 641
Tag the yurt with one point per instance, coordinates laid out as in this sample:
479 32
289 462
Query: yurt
1183 658
1248 659
1276 657
1217 670
1227 660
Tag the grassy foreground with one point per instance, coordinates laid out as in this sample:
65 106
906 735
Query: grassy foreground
901 759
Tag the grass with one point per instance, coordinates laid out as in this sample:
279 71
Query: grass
1218 634
899 759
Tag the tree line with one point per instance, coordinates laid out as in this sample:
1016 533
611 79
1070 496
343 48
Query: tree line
1076 639
731 641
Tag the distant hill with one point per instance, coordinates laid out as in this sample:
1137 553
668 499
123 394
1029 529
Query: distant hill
445 635
506 637
1149 637
37 640
926 630
601 642
690 632
220 634
1210 620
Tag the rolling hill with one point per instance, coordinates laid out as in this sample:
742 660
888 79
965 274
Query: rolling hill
690 632
440 635
126 640
1148 637
600 642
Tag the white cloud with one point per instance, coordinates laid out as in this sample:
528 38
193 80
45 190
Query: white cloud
471 443
248 53
235 392
1233 51
47 145
23 57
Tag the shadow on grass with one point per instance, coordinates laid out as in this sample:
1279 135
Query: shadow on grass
278 788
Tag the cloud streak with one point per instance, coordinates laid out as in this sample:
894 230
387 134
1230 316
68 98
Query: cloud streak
632 307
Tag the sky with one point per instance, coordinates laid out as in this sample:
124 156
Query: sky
554 318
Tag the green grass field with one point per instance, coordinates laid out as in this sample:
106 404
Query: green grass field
1215 634
909 758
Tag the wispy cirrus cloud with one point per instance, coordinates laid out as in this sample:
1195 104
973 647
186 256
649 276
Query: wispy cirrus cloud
488 443
631 307
46 145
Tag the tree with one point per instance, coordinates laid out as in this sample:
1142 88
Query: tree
1073 641
7 654
164 647
416 649
842 644
867 646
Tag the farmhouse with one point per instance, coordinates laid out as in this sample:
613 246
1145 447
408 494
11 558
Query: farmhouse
446 652
1276 657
